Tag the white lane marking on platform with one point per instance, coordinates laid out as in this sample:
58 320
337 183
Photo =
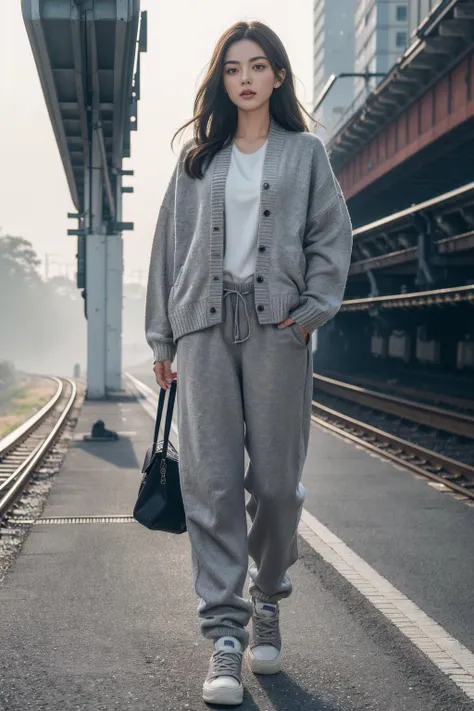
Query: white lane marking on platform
151 399
449 655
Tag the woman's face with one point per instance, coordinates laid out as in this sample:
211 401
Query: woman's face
248 75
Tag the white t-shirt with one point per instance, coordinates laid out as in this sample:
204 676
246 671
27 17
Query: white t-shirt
242 207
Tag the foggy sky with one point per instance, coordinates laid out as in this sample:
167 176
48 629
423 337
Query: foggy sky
34 198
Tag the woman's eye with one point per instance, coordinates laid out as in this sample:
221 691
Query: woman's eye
231 70
259 66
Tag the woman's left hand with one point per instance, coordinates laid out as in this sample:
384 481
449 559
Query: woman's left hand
288 322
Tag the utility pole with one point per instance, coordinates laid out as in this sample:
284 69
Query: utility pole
47 263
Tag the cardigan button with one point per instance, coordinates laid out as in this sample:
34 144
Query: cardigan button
216 278
266 186
262 248
266 213
260 279
260 307
216 228
212 310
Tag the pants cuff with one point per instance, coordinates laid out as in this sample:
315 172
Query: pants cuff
282 590
239 633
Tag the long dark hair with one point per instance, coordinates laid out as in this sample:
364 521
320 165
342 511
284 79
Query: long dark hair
215 115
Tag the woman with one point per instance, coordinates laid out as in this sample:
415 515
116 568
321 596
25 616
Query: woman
250 257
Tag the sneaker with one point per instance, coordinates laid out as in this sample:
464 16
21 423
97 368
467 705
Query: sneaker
223 683
265 652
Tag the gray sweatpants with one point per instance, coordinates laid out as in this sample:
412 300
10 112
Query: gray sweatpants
241 384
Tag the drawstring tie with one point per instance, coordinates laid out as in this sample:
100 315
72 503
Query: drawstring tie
240 297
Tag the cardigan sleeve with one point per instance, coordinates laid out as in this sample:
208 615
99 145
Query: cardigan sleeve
327 246
158 330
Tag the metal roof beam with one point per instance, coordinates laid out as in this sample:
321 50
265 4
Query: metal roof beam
33 20
441 45
371 121
74 72
360 131
374 110
456 28
93 64
77 48
428 61
439 42
103 9
412 76
120 51
464 12
404 89
388 101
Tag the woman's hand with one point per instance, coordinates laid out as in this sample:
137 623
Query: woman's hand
288 322
163 374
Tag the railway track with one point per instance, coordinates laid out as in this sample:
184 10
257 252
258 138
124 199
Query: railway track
432 441
424 393
23 449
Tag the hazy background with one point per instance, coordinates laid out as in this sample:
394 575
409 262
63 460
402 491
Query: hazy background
34 198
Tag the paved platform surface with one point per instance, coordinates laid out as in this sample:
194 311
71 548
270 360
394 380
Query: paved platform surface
103 616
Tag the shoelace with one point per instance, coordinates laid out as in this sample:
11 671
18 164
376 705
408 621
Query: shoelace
266 630
226 664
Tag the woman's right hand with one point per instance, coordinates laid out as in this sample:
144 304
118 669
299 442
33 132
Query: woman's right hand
163 374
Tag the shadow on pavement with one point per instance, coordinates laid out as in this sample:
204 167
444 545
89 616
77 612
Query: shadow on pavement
248 704
120 453
286 695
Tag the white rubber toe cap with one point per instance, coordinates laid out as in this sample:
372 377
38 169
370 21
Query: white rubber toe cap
223 690
263 665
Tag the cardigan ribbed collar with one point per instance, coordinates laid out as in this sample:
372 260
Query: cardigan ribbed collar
276 137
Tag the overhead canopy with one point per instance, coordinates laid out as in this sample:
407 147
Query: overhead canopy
441 41
85 55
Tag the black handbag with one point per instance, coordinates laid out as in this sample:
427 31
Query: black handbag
159 505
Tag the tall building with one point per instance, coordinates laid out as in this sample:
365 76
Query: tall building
382 33
334 52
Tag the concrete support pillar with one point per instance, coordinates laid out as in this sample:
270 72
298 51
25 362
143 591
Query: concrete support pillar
357 342
96 279
410 348
379 345
96 302
114 301
448 338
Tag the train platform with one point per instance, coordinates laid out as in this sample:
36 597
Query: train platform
100 614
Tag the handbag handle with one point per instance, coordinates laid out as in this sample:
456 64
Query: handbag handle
169 417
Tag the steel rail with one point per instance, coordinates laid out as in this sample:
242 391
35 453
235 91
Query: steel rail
436 297
402 447
429 415
12 440
16 482
463 403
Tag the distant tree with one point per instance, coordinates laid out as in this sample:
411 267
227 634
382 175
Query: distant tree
18 259
42 325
